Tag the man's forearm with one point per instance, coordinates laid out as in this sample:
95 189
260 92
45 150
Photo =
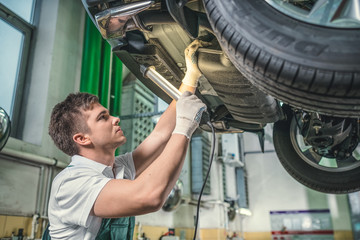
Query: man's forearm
155 143
167 121
170 161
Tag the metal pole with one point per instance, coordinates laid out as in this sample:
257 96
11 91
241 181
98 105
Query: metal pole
33 158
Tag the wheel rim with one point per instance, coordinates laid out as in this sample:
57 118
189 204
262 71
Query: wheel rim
330 13
316 160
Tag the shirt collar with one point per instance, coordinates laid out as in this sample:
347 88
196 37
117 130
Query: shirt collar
78 160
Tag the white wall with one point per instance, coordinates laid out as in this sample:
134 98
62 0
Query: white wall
38 80
270 188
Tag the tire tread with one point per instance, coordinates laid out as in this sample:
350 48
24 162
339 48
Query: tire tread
305 87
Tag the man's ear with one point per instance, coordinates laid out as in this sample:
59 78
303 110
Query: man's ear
81 139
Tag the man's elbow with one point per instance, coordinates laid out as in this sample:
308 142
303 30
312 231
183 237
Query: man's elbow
156 205
153 202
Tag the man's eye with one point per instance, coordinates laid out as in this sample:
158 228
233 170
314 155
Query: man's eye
103 117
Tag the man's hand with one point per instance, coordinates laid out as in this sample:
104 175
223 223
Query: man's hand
189 109
192 71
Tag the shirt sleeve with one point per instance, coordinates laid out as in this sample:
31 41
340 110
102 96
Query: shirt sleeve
77 194
124 167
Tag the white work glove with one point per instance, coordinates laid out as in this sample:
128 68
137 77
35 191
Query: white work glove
189 109
193 73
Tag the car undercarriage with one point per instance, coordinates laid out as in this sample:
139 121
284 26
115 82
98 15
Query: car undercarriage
265 64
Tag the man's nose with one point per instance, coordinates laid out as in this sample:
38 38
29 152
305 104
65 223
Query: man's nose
116 121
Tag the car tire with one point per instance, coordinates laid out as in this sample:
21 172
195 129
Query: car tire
308 66
327 181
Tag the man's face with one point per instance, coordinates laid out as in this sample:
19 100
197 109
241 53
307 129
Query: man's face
105 131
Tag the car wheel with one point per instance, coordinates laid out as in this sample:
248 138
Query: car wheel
313 64
325 174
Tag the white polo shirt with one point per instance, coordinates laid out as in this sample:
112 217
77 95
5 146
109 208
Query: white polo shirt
73 194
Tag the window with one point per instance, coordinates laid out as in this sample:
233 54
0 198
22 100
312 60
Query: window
9 63
16 29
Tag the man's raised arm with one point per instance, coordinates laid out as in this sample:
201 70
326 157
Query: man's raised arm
155 143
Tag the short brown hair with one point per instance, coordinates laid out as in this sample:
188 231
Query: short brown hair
67 119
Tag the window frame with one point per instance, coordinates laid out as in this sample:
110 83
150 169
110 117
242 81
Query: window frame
27 29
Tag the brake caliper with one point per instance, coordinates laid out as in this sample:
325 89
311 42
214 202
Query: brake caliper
330 137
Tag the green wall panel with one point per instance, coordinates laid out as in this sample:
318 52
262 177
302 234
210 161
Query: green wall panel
101 72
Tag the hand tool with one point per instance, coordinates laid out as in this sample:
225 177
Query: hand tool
159 80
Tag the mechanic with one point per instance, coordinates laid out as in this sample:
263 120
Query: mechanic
97 190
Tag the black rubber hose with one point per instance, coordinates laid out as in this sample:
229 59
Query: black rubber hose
207 175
